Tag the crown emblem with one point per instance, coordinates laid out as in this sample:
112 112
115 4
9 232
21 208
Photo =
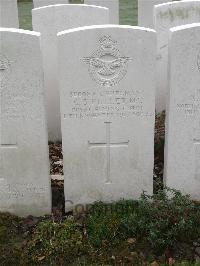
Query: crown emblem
107 43
107 66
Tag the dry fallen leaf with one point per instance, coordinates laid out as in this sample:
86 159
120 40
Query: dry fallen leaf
41 258
131 240
154 263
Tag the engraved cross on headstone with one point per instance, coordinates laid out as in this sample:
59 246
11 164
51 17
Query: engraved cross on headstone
108 145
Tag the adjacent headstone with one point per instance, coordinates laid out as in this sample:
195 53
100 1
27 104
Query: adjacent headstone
9 14
107 110
40 3
24 163
145 12
112 5
182 162
49 21
167 16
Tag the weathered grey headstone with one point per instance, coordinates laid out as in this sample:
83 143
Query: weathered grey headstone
39 3
145 12
24 163
182 160
107 110
112 5
167 16
49 21
9 14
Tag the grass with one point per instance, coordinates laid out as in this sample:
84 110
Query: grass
25 15
154 230
128 13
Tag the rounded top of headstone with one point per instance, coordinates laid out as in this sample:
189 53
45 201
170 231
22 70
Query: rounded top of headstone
185 27
93 27
20 31
68 6
176 3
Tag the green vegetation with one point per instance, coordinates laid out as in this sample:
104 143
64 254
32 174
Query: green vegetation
128 12
163 229
10 239
157 224
54 242
25 15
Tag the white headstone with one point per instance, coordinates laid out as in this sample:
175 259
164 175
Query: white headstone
9 14
167 16
49 21
145 12
182 155
112 5
24 163
39 3
107 110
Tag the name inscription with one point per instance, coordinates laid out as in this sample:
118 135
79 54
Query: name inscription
191 110
192 106
104 104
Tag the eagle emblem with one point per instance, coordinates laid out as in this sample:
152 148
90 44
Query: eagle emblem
106 65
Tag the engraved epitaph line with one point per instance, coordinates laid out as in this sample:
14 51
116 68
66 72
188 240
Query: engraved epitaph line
108 145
